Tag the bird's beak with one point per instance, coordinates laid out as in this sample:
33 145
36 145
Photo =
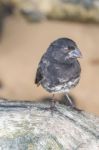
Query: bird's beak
75 54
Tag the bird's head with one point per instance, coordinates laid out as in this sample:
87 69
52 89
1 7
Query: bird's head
64 50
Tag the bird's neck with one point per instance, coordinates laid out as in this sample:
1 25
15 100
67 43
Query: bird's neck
70 61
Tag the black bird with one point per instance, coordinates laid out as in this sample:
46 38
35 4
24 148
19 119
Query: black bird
59 69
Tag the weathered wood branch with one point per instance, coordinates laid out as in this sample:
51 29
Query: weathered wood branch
31 126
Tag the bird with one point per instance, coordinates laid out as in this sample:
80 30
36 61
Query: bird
59 69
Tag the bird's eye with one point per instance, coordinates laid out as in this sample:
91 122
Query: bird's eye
71 47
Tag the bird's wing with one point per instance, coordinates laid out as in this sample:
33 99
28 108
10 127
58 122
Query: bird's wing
39 76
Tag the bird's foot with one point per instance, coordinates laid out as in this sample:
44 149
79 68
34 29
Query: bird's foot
52 108
75 108
71 103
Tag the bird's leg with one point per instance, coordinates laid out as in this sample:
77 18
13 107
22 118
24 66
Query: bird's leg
53 102
52 106
71 103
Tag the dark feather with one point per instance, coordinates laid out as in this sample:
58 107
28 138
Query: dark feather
39 77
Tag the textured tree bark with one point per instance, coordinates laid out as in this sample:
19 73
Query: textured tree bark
32 126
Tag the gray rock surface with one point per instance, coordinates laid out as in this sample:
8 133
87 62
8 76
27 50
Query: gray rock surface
31 126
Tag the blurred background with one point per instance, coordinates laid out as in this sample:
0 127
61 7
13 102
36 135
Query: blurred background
27 27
